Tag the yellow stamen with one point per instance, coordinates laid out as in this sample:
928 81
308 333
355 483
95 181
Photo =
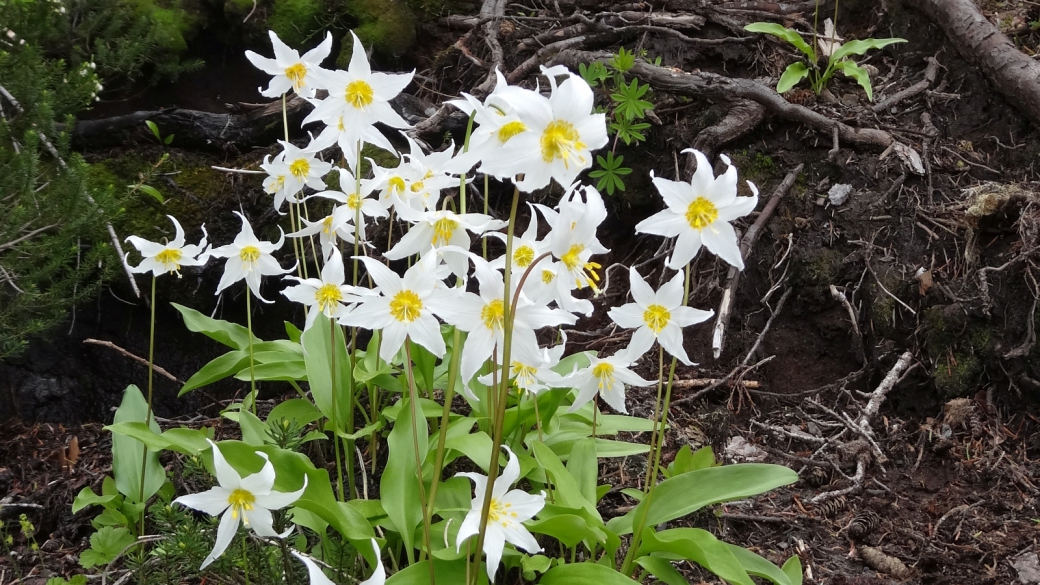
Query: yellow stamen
170 258
405 306
701 213
561 140
524 374
328 296
510 130
296 74
359 93
276 185
396 184
354 201
656 317
300 168
241 500
249 255
586 270
547 276
492 314
604 373
443 229
326 225
417 186
523 256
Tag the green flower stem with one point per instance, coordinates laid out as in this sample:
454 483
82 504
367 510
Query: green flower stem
374 399
657 414
348 444
413 399
503 392
148 417
292 213
249 328
335 426
449 395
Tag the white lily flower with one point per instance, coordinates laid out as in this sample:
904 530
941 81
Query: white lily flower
330 230
509 510
426 175
483 317
356 206
497 120
326 295
658 315
248 258
607 377
405 306
246 500
360 96
317 577
165 258
531 368
336 132
526 249
699 213
573 241
290 70
444 231
293 169
560 133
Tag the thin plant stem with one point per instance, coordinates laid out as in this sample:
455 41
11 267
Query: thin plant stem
449 395
249 328
348 444
292 213
148 417
335 412
507 347
413 400
245 558
657 414
595 411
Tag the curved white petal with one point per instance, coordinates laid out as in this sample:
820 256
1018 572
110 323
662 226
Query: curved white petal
225 534
721 239
228 478
212 502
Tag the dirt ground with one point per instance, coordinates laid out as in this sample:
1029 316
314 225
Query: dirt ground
935 258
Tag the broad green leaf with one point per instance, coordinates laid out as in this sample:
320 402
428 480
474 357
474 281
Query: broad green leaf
182 440
699 546
296 409
569 529
318 344
128 454
254 430
105 545
662 569
793 569
794 73
583 465
565 487
425 363
274 370
791 36
399 485
429 408
87 497
859 47
148 189
154 128
760 567
293 332
362 432
684 494
230 334
686 460
446 572
858 73
532 565
584 574
475 446
217 369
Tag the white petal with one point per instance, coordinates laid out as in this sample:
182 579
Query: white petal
628 316
494 543
686 316
671 340
279 500
314 573
641 291
740 207
670 295
379 574
260 520
212 502
686 247
225 533
427 332
665 223
508 476
523 504
519 536
642 341
261 481
358 60
721 239
470 527
228 478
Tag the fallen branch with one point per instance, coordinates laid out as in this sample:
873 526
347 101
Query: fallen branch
743 117
704 382
929 78
878 395
138 359
746 244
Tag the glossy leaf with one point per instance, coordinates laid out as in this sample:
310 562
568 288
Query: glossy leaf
399 485
127 452
662 569
699 546
584 574
859 47
229 334
317 346
217 369
794 73
858 73
791 36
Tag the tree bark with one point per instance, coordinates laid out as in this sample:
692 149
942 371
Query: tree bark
1013 73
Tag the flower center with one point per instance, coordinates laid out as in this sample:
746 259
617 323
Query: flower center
240 500
417 186
326 225
523 256
587 274
492 314
547 276
354 201
328 296
572 259
443 229
500 512
396 184
405 306
300 168
604 373
359 93
296 73
656 317
249 255
701 213
276 184
510 130
170 258
561 140
525 375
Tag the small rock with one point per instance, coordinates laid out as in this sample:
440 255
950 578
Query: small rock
1028 567
738 449
839 193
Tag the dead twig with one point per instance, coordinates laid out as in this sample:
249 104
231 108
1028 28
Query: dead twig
929 78
138 359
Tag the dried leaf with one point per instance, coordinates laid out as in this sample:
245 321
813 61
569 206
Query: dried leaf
924 282
72 456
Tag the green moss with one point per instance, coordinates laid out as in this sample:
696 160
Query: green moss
756 167
957 346
957 375
385 26
294 20
383 158
816 267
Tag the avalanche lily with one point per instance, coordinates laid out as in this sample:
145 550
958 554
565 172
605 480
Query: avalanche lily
317 577
290 70
658 315
699 213
509 510
248 258
165 258
246 500
607 377
325 295
437 230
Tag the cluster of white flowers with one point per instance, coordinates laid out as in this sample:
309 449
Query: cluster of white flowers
521 136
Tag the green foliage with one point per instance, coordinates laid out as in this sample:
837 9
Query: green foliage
594 73
52 238
623 60
610 172
838 60
105 545
294 20
628 100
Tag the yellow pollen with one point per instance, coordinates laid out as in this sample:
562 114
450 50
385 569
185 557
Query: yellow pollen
170 258
588 275
405 306
701 213
547 276
656 317
429 173
499 512
417 186
523 256
510 130
299 168
296 73
359 93
327 225
443 229
572 259
249 254
276 185
340 125
328 296
396 184
561 140
354 201
525 374
604 372
240 500
492 314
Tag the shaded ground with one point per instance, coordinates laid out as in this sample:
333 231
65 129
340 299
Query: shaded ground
953 493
